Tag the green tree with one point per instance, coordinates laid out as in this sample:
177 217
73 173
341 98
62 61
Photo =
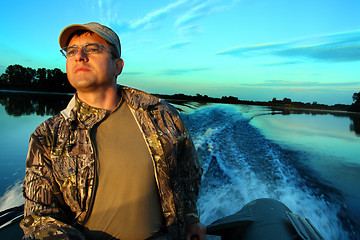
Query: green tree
356 97
16 77
287 101
29 77
4 81
16 73
355 107
41 78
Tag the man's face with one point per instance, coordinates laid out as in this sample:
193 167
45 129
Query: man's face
89 72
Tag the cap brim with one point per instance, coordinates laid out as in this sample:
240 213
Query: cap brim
68 31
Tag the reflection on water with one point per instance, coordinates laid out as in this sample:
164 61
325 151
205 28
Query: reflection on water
20 103
323 149
20 114
355 125
26 103
354 117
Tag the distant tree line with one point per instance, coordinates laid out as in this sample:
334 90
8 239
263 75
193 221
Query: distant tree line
355 107
17 77
284 103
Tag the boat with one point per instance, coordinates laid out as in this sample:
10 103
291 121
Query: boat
265 219
9 223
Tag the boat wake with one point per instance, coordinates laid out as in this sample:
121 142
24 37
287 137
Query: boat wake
12 197
241 165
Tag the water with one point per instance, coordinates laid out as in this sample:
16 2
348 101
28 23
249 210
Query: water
307 161
20 114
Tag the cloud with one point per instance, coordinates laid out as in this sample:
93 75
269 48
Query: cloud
107 9
183 71
154 16
273 64
330 52
196 12
185 13
132 73
190 30
286 83
148 21
201 9
178 44
253 49
340 47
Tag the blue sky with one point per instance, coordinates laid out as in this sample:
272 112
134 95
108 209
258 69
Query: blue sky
305 50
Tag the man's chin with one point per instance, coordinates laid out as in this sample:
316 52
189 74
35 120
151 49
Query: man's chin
82 84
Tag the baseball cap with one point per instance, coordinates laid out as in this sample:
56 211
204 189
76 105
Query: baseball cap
103 31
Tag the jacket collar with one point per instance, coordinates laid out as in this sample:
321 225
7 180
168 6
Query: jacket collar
136 99
86 115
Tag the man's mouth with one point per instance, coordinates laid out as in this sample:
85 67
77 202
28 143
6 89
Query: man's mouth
81 69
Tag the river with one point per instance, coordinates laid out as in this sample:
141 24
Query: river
307 160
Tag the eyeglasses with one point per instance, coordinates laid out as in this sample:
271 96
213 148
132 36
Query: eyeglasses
89 48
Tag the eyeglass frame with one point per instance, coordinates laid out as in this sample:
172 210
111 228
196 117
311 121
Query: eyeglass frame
63 50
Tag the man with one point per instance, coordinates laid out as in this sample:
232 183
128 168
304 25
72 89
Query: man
117 163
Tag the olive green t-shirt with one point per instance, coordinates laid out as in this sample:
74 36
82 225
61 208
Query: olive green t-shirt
127 204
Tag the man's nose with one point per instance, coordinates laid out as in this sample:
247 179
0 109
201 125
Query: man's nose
81 55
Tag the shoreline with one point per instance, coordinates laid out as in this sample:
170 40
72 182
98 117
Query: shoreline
267 104
285 104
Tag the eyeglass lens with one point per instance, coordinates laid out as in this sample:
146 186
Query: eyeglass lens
88 48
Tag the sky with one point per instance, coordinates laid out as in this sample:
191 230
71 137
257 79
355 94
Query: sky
305 50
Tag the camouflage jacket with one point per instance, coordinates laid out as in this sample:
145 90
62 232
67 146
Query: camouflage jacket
60 179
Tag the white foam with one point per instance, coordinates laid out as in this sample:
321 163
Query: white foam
12 197
214 138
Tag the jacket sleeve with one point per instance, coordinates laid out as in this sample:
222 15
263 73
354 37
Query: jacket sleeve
45 214
190 171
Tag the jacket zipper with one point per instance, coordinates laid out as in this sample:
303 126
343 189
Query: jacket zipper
147 145
92 197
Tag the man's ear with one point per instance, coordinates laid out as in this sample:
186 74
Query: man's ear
119 64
